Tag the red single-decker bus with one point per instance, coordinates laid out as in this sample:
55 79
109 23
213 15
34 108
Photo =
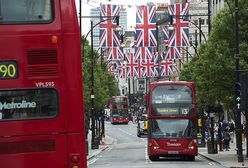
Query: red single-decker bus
172 120
119 110
41 91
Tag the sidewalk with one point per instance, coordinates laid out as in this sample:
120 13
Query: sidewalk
105 143
226 158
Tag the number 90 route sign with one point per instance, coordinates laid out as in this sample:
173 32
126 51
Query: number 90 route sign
8 69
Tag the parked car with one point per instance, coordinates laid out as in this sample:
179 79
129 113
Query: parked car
142 125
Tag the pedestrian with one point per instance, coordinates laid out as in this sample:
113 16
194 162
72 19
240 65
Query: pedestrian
226 137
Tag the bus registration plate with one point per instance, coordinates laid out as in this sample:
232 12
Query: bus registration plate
173 152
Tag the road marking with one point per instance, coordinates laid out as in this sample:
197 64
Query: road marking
91 161
211 163
148 161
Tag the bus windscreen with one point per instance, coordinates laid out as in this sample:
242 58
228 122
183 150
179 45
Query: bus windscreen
172 128
172 100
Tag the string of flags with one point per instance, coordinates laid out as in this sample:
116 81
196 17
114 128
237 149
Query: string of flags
143 60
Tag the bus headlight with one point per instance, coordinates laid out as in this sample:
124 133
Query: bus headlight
191 147
156 147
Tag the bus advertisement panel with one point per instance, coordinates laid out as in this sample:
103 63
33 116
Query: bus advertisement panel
119 110
41 94
172 120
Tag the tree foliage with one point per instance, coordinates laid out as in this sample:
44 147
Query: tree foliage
213 69
104 83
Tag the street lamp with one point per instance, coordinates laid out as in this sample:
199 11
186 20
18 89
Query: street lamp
238 109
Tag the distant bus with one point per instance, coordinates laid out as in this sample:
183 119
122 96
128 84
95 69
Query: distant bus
172 120
119 110
41 96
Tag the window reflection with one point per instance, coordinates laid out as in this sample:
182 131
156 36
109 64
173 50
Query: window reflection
28 104
172 128
13 11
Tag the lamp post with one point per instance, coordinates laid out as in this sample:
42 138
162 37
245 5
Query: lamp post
94 140
239 128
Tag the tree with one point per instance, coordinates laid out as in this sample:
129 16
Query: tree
213 69
104 85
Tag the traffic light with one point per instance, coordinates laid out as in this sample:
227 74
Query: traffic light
237 91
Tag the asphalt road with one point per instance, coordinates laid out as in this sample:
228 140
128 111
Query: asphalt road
129 151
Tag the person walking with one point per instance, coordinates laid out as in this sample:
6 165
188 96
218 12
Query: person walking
226 137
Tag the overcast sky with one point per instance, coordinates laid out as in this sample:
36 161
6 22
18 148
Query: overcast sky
131 15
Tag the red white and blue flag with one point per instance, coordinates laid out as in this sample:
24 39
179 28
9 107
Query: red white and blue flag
180 15
169 36
149 70
108 37
131 64
114 53
173 53
166 68
143 53
145 32
122 70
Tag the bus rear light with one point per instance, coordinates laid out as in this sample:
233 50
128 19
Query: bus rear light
75 159
75 166
54 39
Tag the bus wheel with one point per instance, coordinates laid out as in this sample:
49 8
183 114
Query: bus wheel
154 158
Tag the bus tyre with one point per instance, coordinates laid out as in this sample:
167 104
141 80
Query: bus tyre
154 158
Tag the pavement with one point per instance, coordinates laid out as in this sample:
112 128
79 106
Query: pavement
227 159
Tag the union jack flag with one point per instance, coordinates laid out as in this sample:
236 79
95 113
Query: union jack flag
143 53
145 32
114 53
139 69
149 70
169 36
173 53
179 12
122 71
131 64
108 37
166 68
156 60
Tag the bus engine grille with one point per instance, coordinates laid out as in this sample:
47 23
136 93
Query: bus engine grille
42 63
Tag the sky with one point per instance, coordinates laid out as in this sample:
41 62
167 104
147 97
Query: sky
131 15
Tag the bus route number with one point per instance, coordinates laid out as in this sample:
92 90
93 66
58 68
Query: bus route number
8 69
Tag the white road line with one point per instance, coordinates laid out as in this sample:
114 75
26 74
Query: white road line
91 161
211 163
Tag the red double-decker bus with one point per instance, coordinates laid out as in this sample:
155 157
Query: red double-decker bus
41 97
119 110
172 120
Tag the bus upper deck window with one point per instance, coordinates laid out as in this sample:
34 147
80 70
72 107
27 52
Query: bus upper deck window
25 11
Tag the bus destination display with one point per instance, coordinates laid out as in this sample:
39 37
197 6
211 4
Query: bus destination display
8 69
